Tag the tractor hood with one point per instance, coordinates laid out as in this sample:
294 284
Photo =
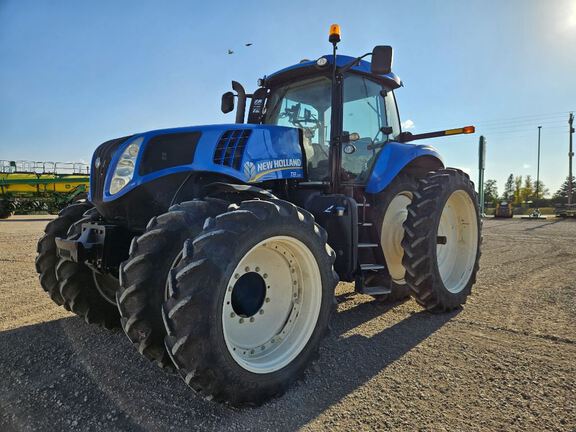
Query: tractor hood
249 153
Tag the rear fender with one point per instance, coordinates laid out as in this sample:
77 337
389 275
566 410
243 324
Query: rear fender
396 157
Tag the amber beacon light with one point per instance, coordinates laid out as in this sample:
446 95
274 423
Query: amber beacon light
334 33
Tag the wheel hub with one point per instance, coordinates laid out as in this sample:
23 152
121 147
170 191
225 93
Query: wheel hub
248 294
271 304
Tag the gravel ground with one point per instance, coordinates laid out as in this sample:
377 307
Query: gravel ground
507 361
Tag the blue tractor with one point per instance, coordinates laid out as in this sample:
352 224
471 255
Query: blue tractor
218 248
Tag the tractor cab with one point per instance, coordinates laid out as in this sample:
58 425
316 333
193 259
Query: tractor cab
341 104
368 110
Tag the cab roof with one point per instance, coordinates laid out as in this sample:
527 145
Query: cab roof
309 66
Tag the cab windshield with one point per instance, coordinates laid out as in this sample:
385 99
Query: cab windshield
306 105
367 110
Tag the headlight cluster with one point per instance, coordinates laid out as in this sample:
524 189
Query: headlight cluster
125 167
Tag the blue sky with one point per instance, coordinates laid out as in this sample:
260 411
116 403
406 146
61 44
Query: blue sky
76 73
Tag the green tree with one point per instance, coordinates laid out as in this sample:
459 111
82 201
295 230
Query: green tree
490 192
543 191
509 189
517 190
527 191
561 195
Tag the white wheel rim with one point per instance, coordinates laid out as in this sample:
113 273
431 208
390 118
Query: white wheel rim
269 338
392 233
458 228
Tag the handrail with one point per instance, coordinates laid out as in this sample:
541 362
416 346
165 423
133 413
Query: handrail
45 167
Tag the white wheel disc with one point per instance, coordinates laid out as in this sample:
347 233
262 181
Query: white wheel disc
272 304
457 241
392 233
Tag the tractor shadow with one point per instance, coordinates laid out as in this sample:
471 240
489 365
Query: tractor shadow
543 225
65 374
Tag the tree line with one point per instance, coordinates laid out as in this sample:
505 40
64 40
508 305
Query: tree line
521 191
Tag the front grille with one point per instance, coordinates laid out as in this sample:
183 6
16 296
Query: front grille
230 147
98 175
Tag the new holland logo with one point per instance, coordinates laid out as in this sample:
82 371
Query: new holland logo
249 170
254 171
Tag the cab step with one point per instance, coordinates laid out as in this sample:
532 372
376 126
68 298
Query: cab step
368 245
372 267
376 290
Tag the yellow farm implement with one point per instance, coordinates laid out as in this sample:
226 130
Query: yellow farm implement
27 186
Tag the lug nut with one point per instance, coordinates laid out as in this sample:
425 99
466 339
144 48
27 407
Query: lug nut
241 320
252 319
267 299
232 314
265 275
261 311
257 269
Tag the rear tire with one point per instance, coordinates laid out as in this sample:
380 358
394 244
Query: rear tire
143 275
391 210
47 257
84 292
442 240
247 312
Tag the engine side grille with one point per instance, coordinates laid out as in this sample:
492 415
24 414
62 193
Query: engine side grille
98 174
230 147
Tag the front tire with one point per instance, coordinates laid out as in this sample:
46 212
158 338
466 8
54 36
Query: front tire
442 240
143 275
47 258
88 294
248 310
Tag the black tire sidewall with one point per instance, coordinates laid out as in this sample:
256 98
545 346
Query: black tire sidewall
215 371
448 298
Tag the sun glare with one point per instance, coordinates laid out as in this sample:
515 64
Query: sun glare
572 16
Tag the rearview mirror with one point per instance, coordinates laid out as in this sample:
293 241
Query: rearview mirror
382 60
227 104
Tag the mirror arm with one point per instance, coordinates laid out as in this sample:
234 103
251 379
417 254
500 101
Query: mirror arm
353 63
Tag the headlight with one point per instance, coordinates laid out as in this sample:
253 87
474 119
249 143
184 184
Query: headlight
125 167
